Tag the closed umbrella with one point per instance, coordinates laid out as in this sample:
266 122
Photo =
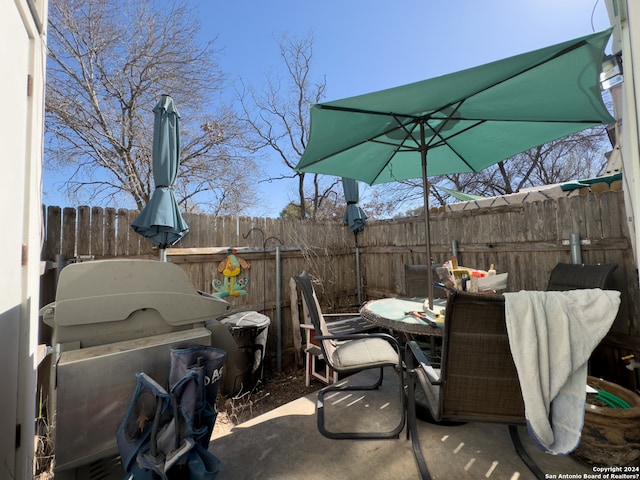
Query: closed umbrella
356 219
460 122
160 221
354 216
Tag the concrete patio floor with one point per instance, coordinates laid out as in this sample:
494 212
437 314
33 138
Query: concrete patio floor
285 444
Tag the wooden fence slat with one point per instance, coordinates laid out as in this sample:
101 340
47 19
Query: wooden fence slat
68 247
110 234
54 233
191 238
122 232
97 231
134 243
83 242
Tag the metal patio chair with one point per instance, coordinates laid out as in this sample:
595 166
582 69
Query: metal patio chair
337 324
349 353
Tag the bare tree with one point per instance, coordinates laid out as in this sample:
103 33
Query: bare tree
580 155
109 61
278 116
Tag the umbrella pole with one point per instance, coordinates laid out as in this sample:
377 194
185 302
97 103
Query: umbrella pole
427 236
358 273
163 254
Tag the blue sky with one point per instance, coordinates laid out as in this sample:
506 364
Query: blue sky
366 45
363 46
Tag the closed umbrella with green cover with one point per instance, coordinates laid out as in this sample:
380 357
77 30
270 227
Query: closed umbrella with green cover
354 216
460 122
356 219
160 221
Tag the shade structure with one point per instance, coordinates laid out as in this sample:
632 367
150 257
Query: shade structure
460 122
160 221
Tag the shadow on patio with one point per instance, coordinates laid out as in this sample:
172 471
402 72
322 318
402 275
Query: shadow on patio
285 444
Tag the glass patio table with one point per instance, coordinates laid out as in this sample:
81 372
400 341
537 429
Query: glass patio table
394 314
399 314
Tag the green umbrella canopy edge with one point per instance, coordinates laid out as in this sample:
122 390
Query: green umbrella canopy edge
472 119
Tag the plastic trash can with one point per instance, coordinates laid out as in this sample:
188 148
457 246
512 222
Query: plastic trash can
243 368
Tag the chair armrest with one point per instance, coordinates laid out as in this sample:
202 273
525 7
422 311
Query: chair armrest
413 352
314 350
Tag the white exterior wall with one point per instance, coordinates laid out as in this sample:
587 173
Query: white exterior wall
21 132
630 39
625 17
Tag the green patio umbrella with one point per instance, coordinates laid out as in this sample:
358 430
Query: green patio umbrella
160 221
460 122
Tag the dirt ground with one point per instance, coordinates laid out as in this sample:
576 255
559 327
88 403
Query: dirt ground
274 390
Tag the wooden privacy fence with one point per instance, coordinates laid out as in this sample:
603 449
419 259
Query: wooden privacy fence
526 240
94 233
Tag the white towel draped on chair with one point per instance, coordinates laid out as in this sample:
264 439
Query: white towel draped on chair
551 336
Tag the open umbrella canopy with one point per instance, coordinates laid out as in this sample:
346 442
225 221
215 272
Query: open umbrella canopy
160 221
461 122
465 121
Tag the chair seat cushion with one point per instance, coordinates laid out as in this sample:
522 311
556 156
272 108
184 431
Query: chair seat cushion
364 352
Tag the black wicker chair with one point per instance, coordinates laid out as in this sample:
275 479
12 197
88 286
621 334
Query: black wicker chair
569 276
477 381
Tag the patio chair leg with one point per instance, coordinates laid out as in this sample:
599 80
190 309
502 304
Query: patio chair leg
412 425
394 433
522 453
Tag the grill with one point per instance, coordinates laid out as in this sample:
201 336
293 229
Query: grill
110 320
